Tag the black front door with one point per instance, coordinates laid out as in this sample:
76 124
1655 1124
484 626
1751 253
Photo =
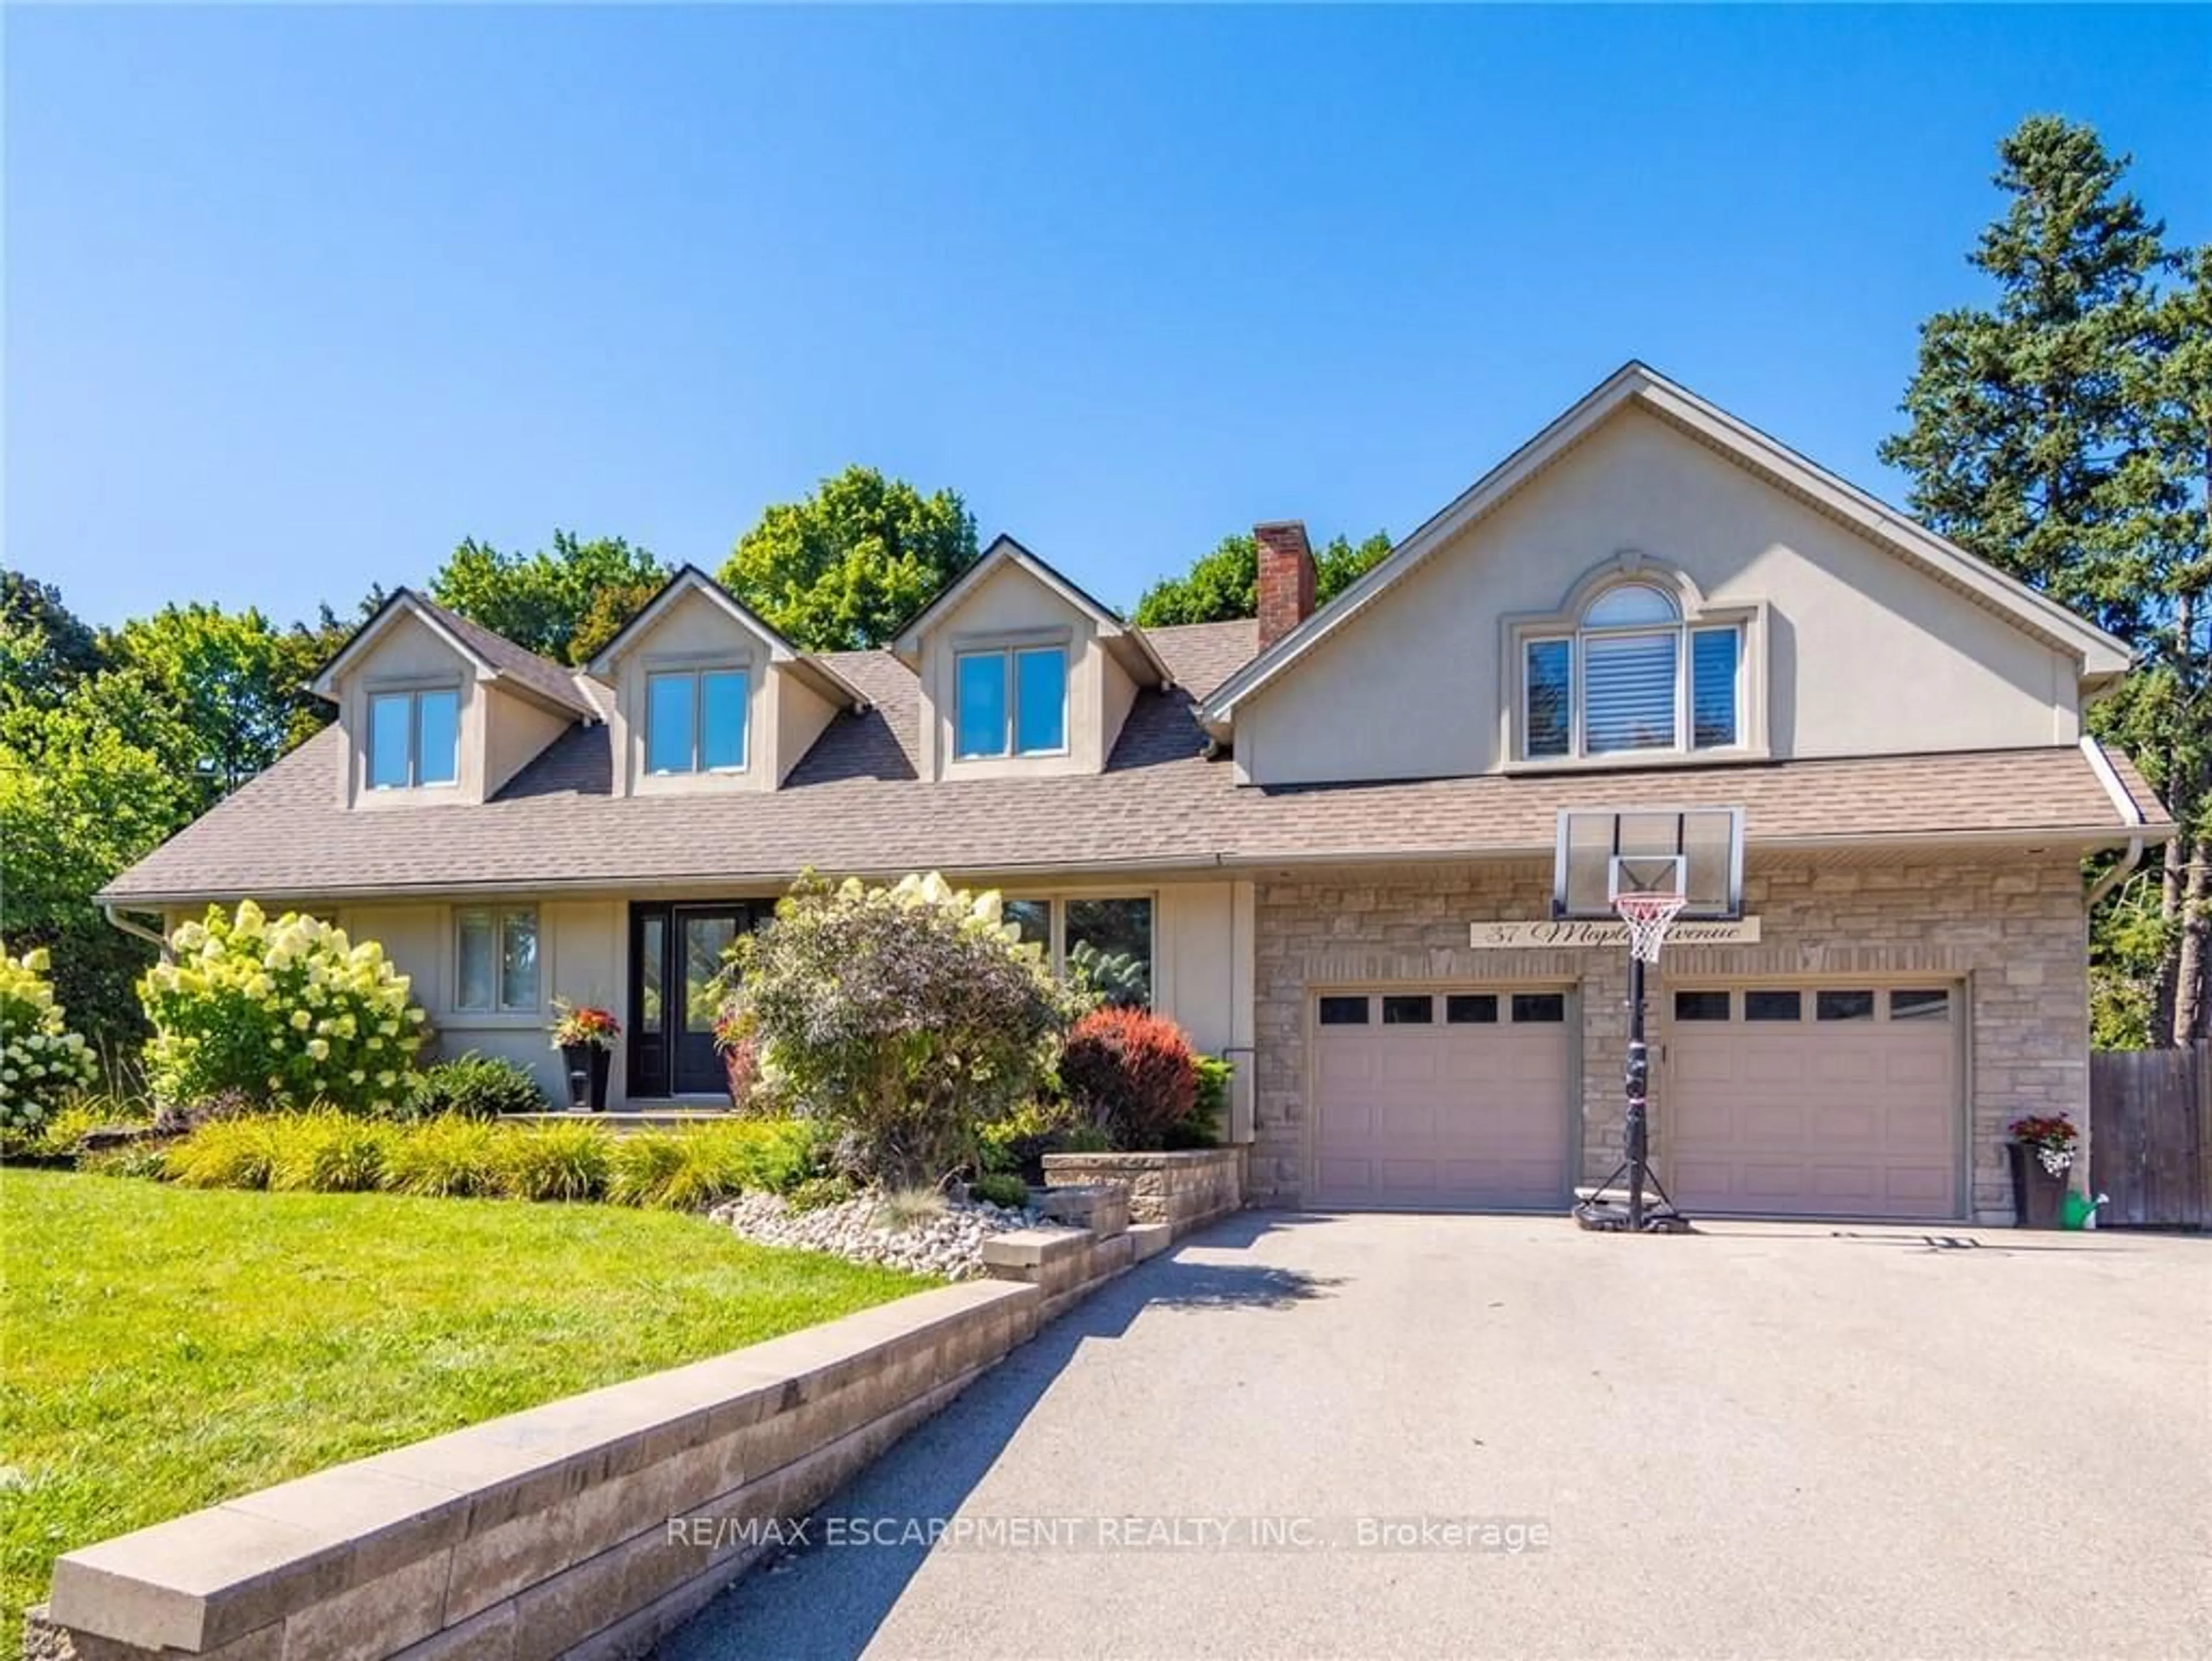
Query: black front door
675 953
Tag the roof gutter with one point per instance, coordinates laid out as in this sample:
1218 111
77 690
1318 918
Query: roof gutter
1095 871
2131 814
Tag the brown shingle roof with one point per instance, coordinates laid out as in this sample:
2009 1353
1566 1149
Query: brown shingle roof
541 675
855 804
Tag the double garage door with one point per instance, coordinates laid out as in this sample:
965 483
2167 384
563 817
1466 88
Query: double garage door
1809 1100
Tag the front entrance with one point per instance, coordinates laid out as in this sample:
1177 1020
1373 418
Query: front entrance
1436 1099
675 953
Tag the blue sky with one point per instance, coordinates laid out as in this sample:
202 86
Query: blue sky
296 299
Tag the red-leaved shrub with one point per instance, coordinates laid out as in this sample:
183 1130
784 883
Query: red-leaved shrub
1134 1073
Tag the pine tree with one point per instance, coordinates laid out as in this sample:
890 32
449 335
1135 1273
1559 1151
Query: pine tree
2051 435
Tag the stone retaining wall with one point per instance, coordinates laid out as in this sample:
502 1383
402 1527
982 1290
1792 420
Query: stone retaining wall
1185 1190
587 1528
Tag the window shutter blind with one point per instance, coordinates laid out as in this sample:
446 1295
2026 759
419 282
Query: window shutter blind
1628 692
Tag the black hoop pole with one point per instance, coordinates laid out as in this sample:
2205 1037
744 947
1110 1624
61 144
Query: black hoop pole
1636 1136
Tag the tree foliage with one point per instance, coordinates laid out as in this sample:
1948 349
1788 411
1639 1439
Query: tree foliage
843 568
543 599
234 683
1225 584
2060 432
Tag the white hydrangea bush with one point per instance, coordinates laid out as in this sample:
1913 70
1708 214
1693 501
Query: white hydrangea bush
42 1062
290 1013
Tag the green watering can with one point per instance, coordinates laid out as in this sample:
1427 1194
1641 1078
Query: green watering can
2078 1210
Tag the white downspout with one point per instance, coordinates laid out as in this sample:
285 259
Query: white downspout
116 918
2131 814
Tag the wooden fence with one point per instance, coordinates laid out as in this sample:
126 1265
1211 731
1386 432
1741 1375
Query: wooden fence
2150 1136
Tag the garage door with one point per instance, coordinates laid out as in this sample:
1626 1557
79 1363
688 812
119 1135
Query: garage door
1440 1098
1820 1101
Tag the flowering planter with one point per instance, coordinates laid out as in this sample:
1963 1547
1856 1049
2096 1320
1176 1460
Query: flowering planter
2038 1196
584 1066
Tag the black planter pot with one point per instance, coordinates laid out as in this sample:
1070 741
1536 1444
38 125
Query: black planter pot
585 1065
2038 1198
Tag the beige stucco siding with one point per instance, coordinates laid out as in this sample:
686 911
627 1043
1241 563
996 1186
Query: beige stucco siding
514 733
1861 653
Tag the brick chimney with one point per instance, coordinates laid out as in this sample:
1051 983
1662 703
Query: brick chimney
1286 578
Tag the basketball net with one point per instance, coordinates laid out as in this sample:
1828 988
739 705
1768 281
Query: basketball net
1648 916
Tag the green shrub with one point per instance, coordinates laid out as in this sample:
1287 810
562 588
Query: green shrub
1202 1127
1133 1073
328 1153
557 1162
227 1153
290 1011
1017 1144
42 1062
999 1188
473 1087
447 1158
819 1193
901 1017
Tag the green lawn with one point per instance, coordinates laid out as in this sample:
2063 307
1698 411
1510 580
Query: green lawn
164 1349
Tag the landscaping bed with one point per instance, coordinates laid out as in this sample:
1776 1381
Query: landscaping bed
168 1348
932 1235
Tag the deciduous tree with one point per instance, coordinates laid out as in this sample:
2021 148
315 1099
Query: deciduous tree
841 569
1223 584
540 599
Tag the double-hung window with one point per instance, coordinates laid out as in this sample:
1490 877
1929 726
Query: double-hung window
695 720
1012 702
1633 677
414 738
495 953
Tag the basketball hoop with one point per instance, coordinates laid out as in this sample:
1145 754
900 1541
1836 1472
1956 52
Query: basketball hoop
1648 916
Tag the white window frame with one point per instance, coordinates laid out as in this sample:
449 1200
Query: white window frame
1684 630
697 674
499 1005
1009 749
414 695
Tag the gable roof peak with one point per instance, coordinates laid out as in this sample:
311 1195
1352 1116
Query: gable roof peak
1123 638
493 656
689 579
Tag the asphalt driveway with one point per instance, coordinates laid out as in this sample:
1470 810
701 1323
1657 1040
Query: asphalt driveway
1489 1436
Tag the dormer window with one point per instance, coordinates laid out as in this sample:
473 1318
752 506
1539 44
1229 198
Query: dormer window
1011 702
695 720
1633 676
414 738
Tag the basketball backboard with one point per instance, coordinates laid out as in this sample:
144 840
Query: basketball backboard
1604 852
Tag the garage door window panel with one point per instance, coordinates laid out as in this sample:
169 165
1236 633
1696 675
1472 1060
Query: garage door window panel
1930 1004
1409 1011
1471 1009
1538 1008
1343 1012
1701 1006
1768 1006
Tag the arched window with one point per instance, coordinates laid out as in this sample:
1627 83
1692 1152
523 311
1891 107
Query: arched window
1633 676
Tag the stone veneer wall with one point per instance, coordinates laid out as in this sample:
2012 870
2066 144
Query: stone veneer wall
2012 926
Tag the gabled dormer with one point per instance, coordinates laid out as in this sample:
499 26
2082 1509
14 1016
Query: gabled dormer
708 697
436 710
1021 672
